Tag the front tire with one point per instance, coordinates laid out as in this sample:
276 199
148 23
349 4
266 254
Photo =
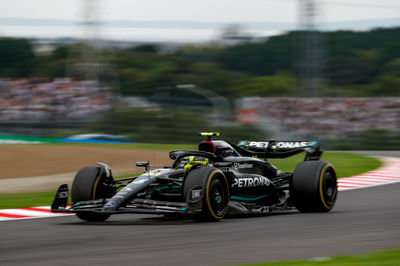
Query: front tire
90 183
215 192
314 186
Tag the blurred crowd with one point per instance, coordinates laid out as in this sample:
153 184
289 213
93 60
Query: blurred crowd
44 99
326 116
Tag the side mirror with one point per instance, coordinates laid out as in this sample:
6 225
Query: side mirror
143 164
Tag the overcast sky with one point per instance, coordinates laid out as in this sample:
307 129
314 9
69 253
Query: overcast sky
228 11
200 10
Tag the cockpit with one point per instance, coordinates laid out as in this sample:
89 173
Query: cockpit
220 148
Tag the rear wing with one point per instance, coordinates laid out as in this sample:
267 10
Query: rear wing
279 149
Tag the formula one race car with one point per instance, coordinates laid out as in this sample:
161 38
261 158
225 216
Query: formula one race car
206 184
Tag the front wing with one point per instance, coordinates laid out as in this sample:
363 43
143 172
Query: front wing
145 206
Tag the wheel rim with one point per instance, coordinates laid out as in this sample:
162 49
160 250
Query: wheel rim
218 197
329 188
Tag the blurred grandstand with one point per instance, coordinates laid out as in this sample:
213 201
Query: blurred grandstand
45 99
326 118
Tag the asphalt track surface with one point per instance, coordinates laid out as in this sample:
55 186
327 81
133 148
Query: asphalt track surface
363 220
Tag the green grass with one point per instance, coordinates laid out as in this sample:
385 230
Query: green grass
21 200
346 164
380 258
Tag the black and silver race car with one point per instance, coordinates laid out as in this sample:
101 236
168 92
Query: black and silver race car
219 178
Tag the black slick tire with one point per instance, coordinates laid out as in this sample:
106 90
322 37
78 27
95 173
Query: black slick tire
89 184
215 192
314 186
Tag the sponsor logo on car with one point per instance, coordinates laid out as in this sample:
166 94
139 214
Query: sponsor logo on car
279 144
291 144
259 181
242 166
258 144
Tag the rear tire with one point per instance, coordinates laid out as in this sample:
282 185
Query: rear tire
215 196
314 186
91 184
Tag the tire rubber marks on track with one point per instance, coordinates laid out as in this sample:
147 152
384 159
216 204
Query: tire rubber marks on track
388 173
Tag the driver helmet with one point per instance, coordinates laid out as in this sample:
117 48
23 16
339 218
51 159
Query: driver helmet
192 160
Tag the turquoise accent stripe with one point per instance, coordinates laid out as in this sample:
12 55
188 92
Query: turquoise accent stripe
162 188
165 187
313 143
248 199
311 146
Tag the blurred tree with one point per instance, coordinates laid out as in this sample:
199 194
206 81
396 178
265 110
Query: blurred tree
388 86
16 57
350 67
146 48
49 68
265 58
269 86
358 64
61 52
392 68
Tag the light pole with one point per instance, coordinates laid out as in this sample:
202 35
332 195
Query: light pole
310 67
